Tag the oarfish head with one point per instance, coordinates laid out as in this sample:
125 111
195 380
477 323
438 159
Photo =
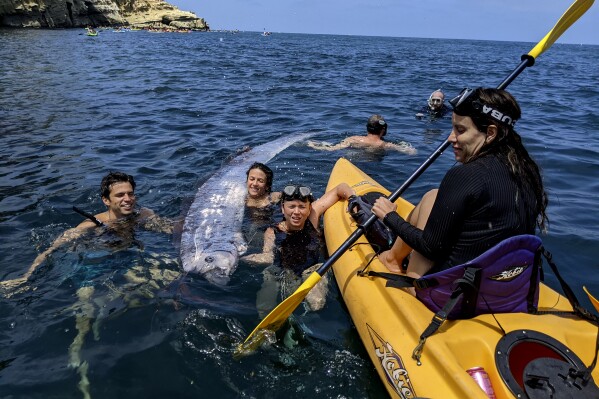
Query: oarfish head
218 265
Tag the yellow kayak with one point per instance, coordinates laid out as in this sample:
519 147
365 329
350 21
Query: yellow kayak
391 321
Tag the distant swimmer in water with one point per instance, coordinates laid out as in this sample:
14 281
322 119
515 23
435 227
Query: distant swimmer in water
376 129
435 107
118 194
293 246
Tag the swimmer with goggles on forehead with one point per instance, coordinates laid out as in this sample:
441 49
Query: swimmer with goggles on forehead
300 212
297 244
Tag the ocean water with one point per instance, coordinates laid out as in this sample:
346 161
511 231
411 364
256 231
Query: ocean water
170 109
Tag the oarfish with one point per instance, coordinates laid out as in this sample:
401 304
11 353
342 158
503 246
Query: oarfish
212 241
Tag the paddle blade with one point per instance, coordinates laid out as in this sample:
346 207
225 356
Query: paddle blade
275 319
571 15
593 300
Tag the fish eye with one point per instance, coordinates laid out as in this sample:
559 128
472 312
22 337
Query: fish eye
209 259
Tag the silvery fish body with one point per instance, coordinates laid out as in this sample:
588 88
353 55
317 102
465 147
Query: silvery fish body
212 240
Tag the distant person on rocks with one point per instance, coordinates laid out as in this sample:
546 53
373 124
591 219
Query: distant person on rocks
435 107
376 129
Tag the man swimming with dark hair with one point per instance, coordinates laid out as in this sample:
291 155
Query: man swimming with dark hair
117 191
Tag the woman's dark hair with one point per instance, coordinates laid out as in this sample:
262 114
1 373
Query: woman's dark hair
114 177
267 171
508 144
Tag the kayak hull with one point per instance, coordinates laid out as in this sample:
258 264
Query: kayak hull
390 321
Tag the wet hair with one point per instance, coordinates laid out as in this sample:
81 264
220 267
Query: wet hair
376 125
267 171
112 178
508 144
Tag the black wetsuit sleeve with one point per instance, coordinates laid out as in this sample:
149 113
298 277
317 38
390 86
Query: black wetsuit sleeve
458 189
404 230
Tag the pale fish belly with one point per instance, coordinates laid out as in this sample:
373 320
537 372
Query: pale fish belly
212 240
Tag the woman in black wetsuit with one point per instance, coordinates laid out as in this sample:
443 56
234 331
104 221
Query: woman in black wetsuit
495 192
293 245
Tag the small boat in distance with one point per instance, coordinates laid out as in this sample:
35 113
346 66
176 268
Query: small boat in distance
266 33
91 32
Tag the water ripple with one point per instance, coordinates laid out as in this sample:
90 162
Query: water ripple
172 109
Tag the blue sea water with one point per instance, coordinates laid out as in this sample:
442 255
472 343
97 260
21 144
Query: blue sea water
170 109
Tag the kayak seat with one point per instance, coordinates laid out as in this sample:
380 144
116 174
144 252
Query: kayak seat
508 281
504 279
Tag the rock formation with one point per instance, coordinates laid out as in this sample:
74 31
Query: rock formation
81 13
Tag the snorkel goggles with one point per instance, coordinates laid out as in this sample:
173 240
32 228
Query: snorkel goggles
465 104
297 192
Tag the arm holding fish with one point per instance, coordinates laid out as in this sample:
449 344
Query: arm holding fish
267 256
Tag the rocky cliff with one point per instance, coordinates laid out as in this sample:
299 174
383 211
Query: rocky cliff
80 13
